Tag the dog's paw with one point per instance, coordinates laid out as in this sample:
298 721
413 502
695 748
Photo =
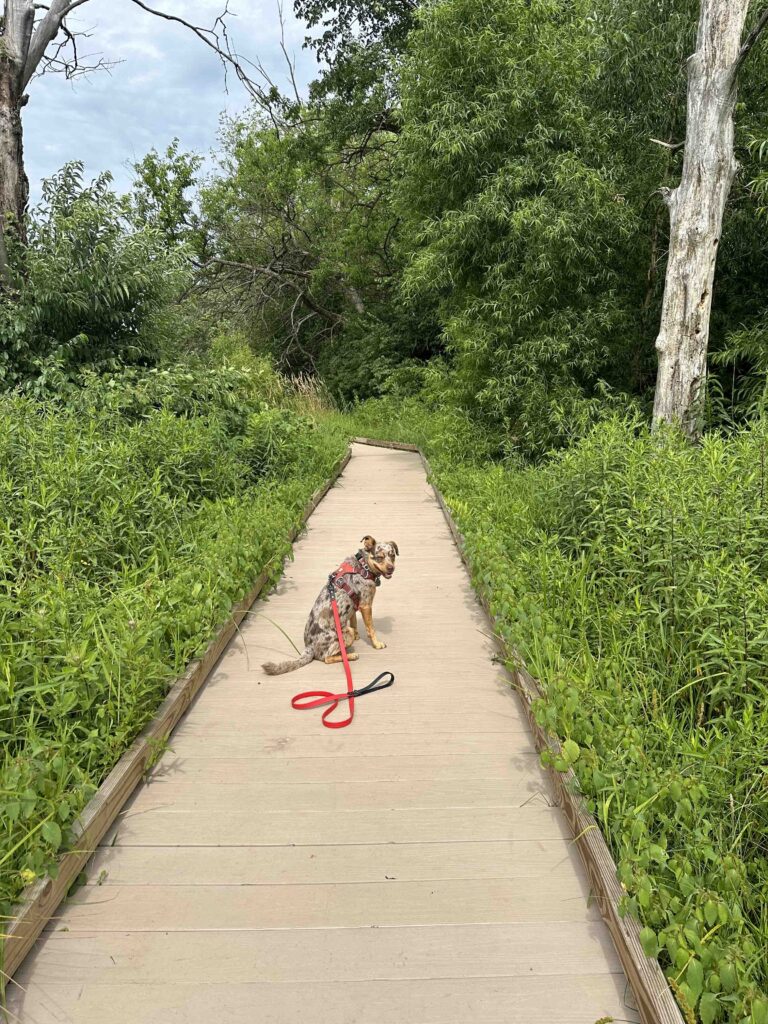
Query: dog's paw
379 645
355 636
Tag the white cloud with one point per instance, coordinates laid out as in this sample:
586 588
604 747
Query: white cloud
167 84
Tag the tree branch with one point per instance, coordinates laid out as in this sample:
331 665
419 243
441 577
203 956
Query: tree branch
750 41
302 293
46 31
216 39
673 146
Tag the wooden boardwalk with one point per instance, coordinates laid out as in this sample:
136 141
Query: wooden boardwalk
410 869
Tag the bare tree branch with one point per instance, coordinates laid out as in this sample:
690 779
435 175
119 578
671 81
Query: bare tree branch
302 291
45 32
216 39
291 63
672 146
750 41
73 64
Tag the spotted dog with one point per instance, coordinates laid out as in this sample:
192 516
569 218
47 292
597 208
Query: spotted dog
354 586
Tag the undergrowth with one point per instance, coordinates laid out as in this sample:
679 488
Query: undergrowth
631 574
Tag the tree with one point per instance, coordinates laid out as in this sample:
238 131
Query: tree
95 287
34 39
696 209
300 234
515 214
159 197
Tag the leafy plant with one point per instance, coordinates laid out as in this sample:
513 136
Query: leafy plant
93 287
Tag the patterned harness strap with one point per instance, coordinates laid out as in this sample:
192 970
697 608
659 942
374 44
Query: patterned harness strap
340 578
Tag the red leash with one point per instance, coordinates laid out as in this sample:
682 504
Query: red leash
319 698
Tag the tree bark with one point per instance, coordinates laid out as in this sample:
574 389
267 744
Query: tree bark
14 187
696 214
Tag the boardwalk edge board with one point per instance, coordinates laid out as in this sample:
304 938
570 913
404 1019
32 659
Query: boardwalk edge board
40 900
655 1002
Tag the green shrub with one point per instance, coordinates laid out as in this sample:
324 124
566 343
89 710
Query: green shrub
94 290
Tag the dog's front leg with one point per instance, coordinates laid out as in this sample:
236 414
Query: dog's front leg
353 625
367 612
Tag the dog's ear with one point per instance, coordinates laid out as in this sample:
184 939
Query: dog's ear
369 544
397 549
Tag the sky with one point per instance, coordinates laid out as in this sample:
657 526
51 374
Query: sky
167 84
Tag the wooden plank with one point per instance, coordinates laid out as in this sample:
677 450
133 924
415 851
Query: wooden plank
221 771
375 723
532 1000
39 901
258 865
187 740
320 954
259 798
401 446
656 1004
162 908
168 827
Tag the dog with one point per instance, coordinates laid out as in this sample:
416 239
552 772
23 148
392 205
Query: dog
354 587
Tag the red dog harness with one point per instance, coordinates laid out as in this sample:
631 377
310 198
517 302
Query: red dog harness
355 567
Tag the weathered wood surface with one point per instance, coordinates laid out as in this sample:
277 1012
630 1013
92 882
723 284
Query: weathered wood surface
411 869
696 209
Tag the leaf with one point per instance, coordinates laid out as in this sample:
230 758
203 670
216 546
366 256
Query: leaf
728 977
51 833
709 1008
649 942
571 751
694 977
710 913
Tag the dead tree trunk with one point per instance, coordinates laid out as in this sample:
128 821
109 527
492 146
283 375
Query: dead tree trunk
14 187
696 213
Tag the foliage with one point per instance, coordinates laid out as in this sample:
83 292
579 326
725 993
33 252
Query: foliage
361 44
159 197
133 516
349 24
300 235
93 287
521 196
514 195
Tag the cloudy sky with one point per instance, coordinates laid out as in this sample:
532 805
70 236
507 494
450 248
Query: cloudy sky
167 85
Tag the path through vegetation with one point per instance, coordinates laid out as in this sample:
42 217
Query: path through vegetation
409 869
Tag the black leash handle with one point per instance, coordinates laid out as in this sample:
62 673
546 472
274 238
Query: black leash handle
314 698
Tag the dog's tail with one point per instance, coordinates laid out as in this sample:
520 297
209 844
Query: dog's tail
277 668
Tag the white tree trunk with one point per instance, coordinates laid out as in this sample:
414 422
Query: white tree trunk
18 23
696 214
